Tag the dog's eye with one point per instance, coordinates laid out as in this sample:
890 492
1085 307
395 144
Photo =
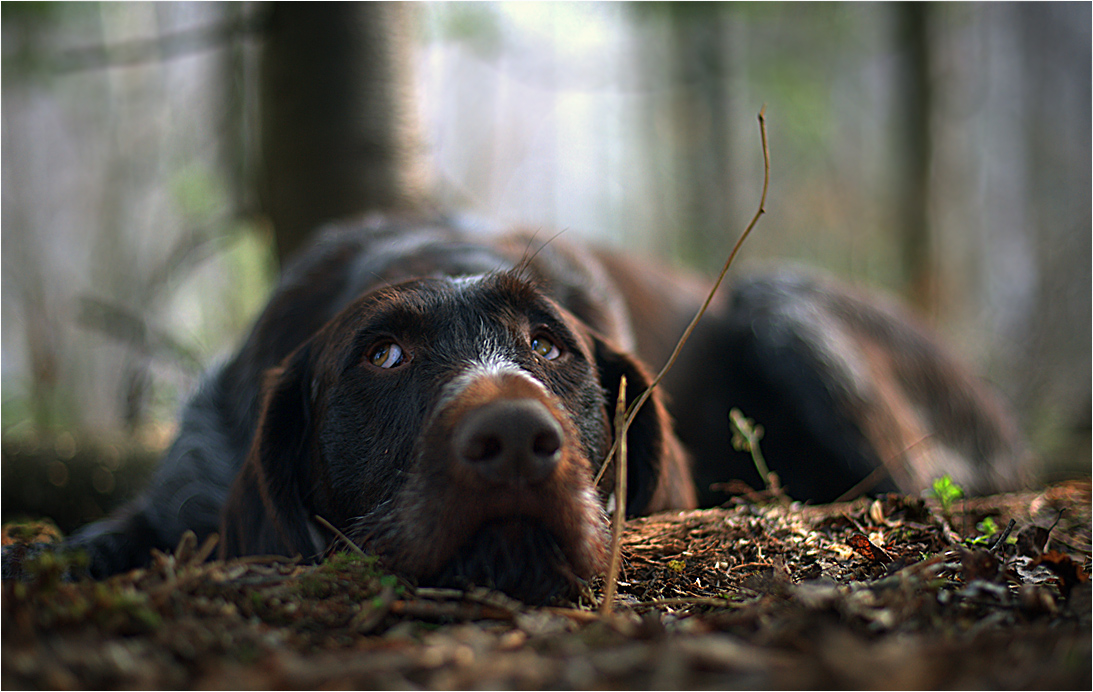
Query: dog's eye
545 347
386 354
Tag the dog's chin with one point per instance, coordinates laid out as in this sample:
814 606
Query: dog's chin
518 557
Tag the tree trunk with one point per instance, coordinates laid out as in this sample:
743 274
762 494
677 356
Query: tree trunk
339 126
914 143
700 118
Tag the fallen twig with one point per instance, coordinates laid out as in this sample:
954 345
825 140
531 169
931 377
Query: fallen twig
697 601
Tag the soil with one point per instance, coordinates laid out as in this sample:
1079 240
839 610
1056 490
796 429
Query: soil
896 592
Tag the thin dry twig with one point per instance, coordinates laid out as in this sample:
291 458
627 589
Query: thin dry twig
337 532
1001 541
633 412
620 501
880 473
864 485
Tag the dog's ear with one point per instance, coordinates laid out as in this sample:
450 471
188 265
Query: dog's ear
658 471
265 512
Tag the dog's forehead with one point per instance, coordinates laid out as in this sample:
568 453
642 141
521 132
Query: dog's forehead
487 293
458 307
454 296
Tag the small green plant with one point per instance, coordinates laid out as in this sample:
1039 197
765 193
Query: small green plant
987 527
987 530
947 492
745 438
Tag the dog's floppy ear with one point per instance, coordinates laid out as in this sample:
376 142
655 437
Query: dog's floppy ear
265 513
658 472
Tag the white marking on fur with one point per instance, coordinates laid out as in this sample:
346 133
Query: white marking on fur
491 363
463 282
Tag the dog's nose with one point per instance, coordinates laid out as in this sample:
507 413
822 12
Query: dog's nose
510 441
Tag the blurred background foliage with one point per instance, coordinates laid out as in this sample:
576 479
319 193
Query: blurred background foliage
156 164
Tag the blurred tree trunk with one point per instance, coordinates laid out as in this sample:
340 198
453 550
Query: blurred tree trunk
690 129
1053 365
702 115
914 144
339 126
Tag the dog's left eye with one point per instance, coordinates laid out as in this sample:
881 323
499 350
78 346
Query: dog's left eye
386 355
545 348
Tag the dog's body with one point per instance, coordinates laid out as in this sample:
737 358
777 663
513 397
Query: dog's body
444 399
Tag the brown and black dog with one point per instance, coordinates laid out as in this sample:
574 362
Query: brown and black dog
443 398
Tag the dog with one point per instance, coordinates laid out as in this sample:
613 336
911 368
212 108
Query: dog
445 398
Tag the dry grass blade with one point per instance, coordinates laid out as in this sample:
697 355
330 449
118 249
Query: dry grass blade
206 549
633 412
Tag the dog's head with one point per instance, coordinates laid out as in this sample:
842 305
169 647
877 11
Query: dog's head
453 426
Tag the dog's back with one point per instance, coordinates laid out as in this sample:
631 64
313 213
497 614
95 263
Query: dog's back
851 392
852 395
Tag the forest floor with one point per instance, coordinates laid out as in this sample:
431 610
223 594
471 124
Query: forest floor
892 593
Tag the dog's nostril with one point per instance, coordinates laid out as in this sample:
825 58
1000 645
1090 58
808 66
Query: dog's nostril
509 441
546 444
482 448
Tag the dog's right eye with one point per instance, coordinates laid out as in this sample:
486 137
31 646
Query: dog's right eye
546 348
386 355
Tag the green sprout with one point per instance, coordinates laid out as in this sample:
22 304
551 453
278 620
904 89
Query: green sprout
987 527
947 492
745 438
